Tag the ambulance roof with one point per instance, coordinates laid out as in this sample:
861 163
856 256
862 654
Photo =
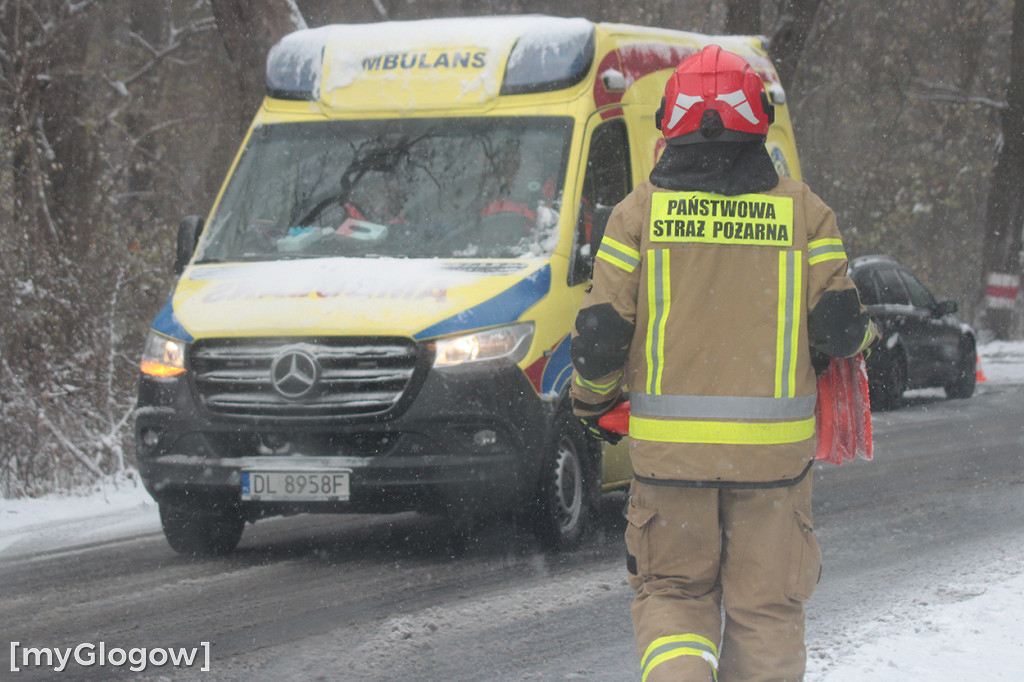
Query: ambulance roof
473 58
543 53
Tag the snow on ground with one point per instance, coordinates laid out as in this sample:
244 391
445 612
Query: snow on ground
955 631
949 622
115 507
119 493
979 608
1002 362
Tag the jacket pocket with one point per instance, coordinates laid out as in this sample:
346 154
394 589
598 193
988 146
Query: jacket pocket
637 540
805 559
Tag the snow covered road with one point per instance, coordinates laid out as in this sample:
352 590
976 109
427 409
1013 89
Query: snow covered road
923 576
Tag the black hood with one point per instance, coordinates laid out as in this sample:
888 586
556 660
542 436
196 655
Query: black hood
727 168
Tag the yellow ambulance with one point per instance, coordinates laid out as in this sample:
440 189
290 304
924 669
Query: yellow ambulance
375 315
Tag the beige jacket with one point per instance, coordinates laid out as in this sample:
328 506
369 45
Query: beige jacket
719 290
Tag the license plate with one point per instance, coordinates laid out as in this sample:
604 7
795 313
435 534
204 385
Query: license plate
296 486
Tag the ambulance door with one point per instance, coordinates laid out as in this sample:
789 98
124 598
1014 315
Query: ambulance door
606 182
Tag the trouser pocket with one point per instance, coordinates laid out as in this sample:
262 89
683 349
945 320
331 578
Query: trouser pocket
638 554
805 559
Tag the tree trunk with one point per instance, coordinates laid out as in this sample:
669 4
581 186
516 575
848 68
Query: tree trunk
1001 255
71 148
146 18
796 19
53 155
249 28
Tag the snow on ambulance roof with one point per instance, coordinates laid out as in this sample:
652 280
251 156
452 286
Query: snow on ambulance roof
348 64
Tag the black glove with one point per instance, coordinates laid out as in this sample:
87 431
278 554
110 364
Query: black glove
599 432
820 362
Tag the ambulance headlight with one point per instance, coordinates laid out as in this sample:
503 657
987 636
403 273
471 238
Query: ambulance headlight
163 356
501 343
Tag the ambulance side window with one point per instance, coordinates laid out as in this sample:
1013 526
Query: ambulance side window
607 181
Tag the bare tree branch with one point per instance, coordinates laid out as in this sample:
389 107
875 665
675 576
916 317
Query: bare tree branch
379 6
70 446
949 93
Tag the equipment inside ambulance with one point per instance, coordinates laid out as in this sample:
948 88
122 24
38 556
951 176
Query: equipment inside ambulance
375 316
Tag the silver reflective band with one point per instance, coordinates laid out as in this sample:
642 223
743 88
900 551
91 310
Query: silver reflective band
686 644
721 407
821 250
686 647
614 250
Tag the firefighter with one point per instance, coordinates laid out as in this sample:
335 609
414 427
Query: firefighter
712 284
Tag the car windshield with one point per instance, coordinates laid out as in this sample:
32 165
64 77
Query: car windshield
451 188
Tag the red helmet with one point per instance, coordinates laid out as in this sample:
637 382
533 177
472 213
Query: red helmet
714 95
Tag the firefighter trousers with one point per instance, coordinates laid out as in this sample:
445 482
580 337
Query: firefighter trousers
694 553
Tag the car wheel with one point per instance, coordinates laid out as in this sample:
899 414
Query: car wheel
202 529
568 490
966 374
890 381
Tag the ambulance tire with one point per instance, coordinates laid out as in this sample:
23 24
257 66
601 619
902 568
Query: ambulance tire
890 380
201 529
965 377
569 487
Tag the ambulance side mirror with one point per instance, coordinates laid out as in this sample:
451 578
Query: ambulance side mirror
188 237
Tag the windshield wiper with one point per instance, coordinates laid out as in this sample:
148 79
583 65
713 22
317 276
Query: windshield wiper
381 158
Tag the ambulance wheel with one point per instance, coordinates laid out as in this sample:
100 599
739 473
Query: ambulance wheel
201 529
890 380
966 375
568 488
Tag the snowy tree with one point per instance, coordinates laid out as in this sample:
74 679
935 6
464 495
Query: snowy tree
1005 217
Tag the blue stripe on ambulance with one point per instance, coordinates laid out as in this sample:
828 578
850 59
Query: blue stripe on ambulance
167 323
504 308
558 369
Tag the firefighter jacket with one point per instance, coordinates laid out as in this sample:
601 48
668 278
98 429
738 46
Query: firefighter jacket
705 308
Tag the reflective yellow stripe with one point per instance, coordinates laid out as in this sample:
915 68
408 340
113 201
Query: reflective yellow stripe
866 341
789 317
676 653
825 249
665 303
659 300
604 255
666 648
826 256
600 388
796 317
676 639
780 333
720 433
614 251
817 243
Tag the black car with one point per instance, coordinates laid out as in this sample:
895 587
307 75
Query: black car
923 343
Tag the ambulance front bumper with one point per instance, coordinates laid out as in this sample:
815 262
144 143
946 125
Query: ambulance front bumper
468 438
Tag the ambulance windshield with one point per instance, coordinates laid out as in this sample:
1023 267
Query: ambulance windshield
418 188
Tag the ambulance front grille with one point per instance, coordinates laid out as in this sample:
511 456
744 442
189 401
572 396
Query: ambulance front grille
289 379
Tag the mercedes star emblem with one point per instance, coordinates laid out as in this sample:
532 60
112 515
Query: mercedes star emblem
294 374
